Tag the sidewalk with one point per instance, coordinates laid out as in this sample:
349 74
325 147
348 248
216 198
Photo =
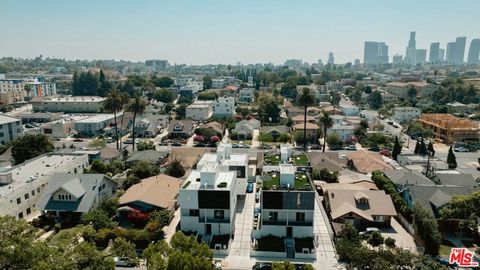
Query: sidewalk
170 230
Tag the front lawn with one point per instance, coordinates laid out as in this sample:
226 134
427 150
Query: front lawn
271 243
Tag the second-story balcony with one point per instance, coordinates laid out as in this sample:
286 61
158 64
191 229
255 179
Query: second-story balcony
212 220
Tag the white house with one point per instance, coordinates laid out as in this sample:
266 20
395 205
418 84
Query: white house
199 110
344 131
229 162
246 95
405 114
22 185
208 202
10 128
349 109
224 107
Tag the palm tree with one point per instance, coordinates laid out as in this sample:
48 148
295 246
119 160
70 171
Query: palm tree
305 99
125 99
113 104
326 122
137 105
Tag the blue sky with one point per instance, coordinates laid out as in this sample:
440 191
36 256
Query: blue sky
224 31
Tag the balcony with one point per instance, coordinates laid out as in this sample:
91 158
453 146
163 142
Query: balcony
212 220
284 223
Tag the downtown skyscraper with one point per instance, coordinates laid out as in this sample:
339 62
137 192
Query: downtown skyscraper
434 55
456 51
474 52
375 53
411 53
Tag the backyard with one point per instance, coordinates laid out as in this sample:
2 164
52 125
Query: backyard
297 160
271 243
272 180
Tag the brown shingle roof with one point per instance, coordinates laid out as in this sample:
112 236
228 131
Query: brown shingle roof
343 201
367 162
160 191
188 156
215 126
309 126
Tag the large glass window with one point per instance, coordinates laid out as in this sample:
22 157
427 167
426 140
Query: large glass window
219 214
273 216
300 216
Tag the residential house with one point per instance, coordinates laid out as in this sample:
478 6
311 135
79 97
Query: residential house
365 162
328 160
156 193
22 185
245 128
460 107
299 119
150 156
75 193
215 126
312 129
149 126
275 131
349 109
246 95
180 129
188 156
400 89
344 130
406 114
362 208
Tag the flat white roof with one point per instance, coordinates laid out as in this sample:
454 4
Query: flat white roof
286 168
4 119
227 177
35 168
235 159
75 99
96 118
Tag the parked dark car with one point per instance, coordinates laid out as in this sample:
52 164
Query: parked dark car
78 140
316 147
335 147
250 187
374 148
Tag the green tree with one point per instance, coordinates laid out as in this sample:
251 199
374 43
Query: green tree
376 239
98 218
451 159
137 105
156 255
427 228
97 143
187 253
145 145
375 100
265 137
114 104
283 266
417 147
326 121
284 138
124 249
164 95
208 95
175 169
104 85
86 256
207 82
412 94
397 149
268 108
305 99
422 148
30 146
143 169
335 98
163 82
390 242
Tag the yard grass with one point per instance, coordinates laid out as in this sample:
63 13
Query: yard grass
247 142
272 160
300 160
271 243
446 248
301 181
66 236
301 243
271 180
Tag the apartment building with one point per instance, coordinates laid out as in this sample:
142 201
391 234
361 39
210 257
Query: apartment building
450 128
94 125
199 110
229 162
401 89
10 128
69 104
405 114
224 107
14 90
246 95
21 186
287 206
208 202
349 109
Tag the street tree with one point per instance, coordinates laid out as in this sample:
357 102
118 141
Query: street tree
451 159
137 106
305 99
114 104
397 149
326 121
175 169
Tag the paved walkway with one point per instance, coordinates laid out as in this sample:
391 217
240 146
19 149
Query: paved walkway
170 230
255 142
239 253
326 257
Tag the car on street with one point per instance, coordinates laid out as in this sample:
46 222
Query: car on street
110 140
250 187
316 147
351 147
461 149
335 147
176 144
390 122
78 140
395 125
257 197
374 148
123 262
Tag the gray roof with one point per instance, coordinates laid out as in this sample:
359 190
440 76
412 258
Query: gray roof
406 177
279 129
186 126
66 181
463 180
428 196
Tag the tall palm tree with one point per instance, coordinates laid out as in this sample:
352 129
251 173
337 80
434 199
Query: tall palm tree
137 105
113 104
125 99
326 122
305 99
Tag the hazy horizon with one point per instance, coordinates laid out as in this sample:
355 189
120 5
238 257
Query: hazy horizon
224 32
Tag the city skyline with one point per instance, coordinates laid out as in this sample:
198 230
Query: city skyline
243 31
